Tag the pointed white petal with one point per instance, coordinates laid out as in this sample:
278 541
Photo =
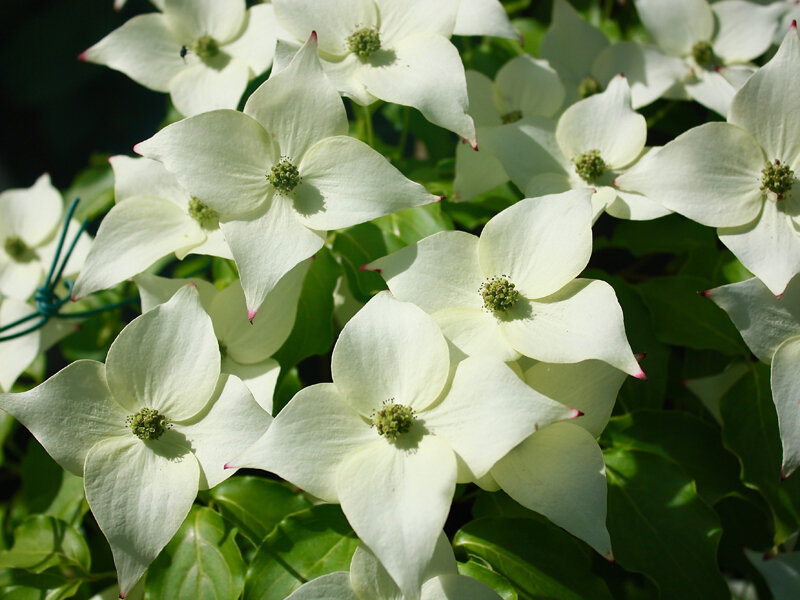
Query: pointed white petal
711 174
540 244
69 413
744 29
481 94
438 272
299 106
424 71
769 246
559 472
144 177
260 378
476 172
333 585
712 90
390 350
457 587
489 410
140 493
400 20
636 207
475 332
201 88
256 44
785 383
531 86
221 19
19 279
214 245
155 290
166 359
484 17
677 25
221 157
33 213
332 20
309 439
230 423
132 236
397 498
16 354
583 320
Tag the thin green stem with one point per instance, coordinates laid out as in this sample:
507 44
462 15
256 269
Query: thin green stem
370 135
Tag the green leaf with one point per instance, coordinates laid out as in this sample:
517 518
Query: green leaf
355 247
750 431
556 565
682 317
41 542
304 546
202 562
255 505
659 525
7 423
313 327
477 570
413 224
50 585
671 234
95 188
694 444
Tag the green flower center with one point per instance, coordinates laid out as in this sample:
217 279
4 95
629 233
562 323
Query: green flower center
511 117
205 47
588 87
393 420
200 212
17 249
148 424
777 178
284 176
703 53
364 42
498 294
590 165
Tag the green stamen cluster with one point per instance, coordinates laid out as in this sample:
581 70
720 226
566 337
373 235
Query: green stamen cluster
205 47
498 294
777 178
511 117
588 87
703 53
16 248
590 165
393 420
364 42
200 212
147 424
284 176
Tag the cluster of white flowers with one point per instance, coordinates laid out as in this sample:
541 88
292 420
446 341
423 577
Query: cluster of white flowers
489 361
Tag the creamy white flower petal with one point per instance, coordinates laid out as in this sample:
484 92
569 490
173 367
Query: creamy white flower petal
229 424
345 182
260 378
256 44
559 472
457 587
769 246
132 236
476 172
397 498
422 70
214 245
475 332
221 19
764 321
712 90
583 320
590 386
711 174
438 272
201 88
333 21
69 413
299 106
16 354
144 48
489 410
155 290
529 85
785 383
546 184
402 19
19 279
333 585
341 70
272 231
483 17
540 244
767 105
636 207
144 177
33 213
677 25
744 29
390 350
140 493
221 157
309 439
481 95
604 122
166 359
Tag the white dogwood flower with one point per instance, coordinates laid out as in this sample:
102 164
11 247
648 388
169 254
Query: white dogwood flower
147 429
484 17
203 52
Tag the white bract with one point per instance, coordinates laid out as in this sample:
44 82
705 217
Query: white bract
282 173
771 328
389 438
594 140
741 176
203 52
484 17
30 226
147 429
513 290
368 580
246 347
153 217
393 50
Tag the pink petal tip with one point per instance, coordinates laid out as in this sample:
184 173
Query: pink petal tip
82 56
610 558
123 595
640 356
365 267
640 375
313 37
577 413
704 293
229 465
251 314
794 24
784 476
137 148
440 198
